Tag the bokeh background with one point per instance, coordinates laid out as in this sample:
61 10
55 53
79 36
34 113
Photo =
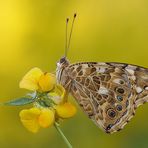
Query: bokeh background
32 33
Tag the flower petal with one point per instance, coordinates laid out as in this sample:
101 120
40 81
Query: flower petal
65 110
29 114
31 125
29 118
46 118
47 82
30 80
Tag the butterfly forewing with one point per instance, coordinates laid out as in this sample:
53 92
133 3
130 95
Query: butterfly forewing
108 93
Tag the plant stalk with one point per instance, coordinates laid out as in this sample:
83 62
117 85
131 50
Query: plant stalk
62 135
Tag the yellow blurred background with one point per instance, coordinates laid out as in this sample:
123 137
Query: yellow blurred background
32 33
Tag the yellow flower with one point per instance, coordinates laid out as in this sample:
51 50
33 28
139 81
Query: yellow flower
65 110
35 118
58 95
35 79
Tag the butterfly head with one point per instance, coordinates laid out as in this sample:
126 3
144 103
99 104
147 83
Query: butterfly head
61 65
63 62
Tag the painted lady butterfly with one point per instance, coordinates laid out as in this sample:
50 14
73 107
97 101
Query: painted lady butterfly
109 93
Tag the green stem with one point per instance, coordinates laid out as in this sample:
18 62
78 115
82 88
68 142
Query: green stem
62 135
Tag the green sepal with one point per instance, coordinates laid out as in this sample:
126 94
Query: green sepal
19 101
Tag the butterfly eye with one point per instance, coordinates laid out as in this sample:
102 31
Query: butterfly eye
111 113
62 60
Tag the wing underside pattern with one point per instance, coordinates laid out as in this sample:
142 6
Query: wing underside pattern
108 93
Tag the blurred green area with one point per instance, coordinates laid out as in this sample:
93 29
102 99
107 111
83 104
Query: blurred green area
32 33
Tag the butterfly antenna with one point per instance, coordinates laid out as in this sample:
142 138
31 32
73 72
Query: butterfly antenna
67 20
67 46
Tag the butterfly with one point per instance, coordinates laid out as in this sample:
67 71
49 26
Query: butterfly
109 93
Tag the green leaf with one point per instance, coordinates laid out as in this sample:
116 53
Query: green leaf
19 101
